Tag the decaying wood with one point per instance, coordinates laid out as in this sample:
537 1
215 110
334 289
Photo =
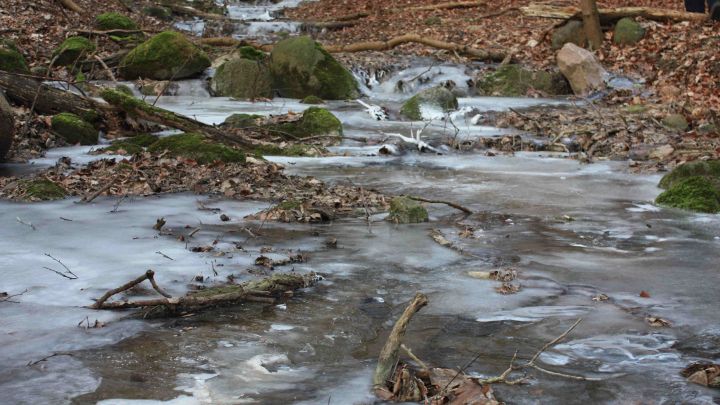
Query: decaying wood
71 5
326 25
264 290
608 15
192 12
480 54
447 6
390 352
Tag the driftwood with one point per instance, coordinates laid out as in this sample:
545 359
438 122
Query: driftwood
264 290
608 15
391 351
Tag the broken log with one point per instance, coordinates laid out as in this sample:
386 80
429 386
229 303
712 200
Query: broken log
391 351
264 290
609 15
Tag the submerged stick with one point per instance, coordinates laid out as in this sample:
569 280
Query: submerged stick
390 352
448 203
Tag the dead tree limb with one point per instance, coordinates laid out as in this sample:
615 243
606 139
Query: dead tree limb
390 352
608 15
446 6
71 5
448 203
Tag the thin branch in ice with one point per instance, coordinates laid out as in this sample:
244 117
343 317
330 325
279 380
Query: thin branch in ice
72 276
20 220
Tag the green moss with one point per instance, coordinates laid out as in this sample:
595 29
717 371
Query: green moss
695 193
196 147
124 89
515 81
636 109
72 50
411 109
243 78
161 13
91 116
292 150
242 120
437 97
168 55
250 53
312 100
74 129
301 67
404 210
289 205
571 32
128 103
708 168
675 121
41 189
11 60
315 121
434 20
114 21
133 145
627 31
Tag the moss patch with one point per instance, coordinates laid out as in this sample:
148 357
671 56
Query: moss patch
11 60
315 121
675 121
242 120
72 50
250 53
74 129
196 147
437 97
114 21
404 210
168 55
627 32
515 81
291 150
41 190
133 145
695 193
636 109
124 89
243 78
709 168
312 100
161 13
301 67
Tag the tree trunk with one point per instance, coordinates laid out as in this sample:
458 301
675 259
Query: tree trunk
7 126
591 23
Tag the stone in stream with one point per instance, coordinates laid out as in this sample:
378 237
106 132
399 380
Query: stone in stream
404 210
245 76
11 60
627 32
692 186
571 32
196 147
301 68
7 126
516 81
74 129
436 99
166 56
581 69
315 121
72 51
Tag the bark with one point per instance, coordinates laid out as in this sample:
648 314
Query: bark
391 351
71 5
609 15
7 126
446 6
591 23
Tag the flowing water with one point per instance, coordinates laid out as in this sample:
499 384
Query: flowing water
572 232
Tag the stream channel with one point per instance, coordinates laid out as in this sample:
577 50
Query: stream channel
572 231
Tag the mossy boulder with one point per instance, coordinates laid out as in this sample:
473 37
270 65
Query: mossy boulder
435 98
572 32
159 12
196 147
404 210
628 32
72 50
244 77
676 122
74 129
312 100
133 145
315 121
242 121
40 190
515 81
11 60
301 68
693 186
168 55
124 89
114 21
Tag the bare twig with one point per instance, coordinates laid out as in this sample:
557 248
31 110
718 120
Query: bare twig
414 357
32 363
72 276
449 203
106 187
8 298
20 220
164 255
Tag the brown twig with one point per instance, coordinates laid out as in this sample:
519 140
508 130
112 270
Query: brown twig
130 284
448 203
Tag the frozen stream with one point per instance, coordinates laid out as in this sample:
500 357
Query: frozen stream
571 231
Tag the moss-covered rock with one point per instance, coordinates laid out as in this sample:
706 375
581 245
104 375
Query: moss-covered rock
695 193
124 89
704 168
676 122
250 53
312 100
114 21
315 121
159 12
404 210
243 78
436 98
168 55
242 121
74 129
515 81
572 32
628 32
72 50
11 60
133 145
40 190
301 68
196 147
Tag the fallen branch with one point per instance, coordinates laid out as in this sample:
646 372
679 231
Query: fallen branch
608 15
192 12
326 25
446 6
390 352
448 203
90 197
32 363
5 297
71 5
